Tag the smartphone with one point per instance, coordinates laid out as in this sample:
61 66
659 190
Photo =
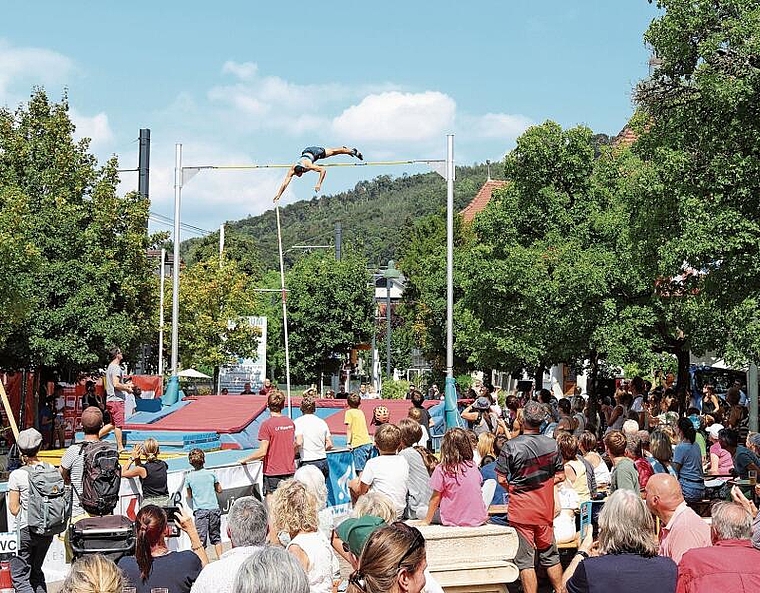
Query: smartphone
171 514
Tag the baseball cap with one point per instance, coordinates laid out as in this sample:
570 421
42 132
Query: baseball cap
355 532
29 439
482 403
714 429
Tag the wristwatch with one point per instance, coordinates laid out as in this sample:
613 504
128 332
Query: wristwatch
582 553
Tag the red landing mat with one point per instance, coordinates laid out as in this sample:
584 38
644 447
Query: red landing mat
220 413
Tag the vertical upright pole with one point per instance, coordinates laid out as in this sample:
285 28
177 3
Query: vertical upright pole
284 309
143 166
175 266
450 406
388 329
338 240
162 276
221 245
752 395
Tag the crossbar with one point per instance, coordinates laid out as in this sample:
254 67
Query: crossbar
361 164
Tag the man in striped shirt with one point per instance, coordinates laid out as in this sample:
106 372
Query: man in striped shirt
528 467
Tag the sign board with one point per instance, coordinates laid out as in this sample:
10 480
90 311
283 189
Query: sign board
247 370
8 543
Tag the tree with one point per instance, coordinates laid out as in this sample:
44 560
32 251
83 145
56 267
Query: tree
330 310
92 286
214 304
695 210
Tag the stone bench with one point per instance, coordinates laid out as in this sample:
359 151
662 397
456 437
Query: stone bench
471 559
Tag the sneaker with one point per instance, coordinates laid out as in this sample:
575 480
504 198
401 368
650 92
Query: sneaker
355 152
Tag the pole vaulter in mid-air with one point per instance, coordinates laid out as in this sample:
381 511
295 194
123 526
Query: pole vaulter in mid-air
309 156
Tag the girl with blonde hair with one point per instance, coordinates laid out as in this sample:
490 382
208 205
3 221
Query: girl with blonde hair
152 473
93 573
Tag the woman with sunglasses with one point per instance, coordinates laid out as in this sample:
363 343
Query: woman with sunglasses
393 561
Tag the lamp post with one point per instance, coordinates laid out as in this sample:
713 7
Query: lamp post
390 273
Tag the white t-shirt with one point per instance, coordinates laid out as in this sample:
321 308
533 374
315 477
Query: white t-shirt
638 404
388 474
314 431
19 481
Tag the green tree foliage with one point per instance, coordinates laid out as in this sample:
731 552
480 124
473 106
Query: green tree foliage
214 302
238 247
696 209
375 216
90 285
330 310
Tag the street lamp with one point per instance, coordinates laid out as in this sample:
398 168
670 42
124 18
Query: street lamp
390 273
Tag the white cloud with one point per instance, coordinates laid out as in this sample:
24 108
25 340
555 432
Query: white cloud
499 125
96 128
21 67
396 117
242 70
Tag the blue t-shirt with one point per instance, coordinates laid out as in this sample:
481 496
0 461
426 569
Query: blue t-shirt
742 458
690 476
202 482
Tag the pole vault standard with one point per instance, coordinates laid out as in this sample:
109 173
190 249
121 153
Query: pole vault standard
445 168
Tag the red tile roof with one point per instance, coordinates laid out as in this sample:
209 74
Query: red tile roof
480 201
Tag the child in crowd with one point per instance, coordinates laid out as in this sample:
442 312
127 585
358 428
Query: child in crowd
456 484
357 435
388 472
419 478
202 488
416 415
380 415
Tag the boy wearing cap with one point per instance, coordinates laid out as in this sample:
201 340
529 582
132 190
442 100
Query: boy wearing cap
32 548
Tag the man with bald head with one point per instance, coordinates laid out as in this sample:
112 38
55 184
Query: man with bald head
731 564
682 529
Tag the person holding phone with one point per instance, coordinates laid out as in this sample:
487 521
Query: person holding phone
154 565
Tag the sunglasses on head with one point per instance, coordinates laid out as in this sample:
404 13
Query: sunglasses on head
419 542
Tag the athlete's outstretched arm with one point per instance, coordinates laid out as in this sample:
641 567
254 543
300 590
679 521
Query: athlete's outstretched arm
322 173
285 183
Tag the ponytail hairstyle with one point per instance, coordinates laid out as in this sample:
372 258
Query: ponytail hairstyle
388 551
150 525
687 429
150 448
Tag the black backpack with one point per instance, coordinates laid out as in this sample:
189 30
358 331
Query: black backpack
101 478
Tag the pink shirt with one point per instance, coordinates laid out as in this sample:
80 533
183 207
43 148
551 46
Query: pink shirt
725 461
461 500
684 531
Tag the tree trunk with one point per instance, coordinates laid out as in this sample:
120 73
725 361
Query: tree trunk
682 379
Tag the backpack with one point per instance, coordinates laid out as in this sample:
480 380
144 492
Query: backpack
484 423
590 477
49 504
101 478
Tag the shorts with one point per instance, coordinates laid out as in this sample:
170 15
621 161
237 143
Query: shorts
532 538
208 523
117 413
361 454
272 482
313 152
320 464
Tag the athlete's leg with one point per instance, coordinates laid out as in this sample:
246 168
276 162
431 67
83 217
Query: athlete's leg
343 150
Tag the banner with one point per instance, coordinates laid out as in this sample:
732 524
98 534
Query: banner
247 370
341 465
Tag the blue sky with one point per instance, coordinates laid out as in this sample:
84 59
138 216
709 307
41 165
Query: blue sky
252 82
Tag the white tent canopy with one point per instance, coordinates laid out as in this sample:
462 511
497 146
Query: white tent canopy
192 373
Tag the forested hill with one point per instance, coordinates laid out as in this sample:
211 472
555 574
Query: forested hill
373 216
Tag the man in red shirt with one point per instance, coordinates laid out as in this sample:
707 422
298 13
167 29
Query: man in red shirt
731 563
277 450
528 467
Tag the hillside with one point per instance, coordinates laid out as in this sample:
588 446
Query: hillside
373 216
